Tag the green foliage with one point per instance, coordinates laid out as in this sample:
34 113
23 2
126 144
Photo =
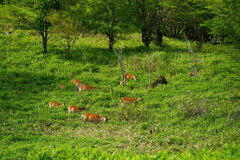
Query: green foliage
105 17
226 22
192 19
34 14
68 30
73 152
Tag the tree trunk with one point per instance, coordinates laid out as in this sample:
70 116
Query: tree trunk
44 44
200 38
68 50
111 43
146 37
159 38
44 33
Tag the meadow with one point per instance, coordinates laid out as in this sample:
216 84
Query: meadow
192 117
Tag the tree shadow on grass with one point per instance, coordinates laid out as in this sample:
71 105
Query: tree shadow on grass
85 55
104 56
19 89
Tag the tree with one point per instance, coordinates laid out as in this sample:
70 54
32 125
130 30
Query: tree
68 29
186 18
226 22
34 13
145 17
162 21
42 22
106 17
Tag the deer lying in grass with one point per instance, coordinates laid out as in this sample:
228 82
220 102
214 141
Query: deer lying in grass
76 82
161 80
75 109
84 87
93 118
128 100
56 104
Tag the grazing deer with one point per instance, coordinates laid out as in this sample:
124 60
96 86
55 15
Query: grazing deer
128 100
129 76
75 109
93 118
76 82
161 80
56 104
61 86
85 88
126 76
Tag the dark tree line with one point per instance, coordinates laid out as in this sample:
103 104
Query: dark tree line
198 20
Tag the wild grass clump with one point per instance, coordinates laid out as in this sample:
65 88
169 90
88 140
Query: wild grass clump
194 108
234 117
130 113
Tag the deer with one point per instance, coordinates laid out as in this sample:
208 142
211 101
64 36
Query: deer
93 118
128 100
61 86
54 104
75 109
129 76
84 87
126 76
161 80
76 82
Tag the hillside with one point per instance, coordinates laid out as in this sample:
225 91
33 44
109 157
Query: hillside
191 117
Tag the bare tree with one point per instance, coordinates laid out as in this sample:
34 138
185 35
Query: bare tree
120 56
69 30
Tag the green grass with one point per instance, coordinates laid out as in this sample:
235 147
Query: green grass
192 117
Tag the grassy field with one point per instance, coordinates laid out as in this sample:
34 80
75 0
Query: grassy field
192 117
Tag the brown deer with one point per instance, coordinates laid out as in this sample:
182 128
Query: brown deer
93 118
75 109
61 86
86 88
128 100
76 82
54 104
129 76
125 77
